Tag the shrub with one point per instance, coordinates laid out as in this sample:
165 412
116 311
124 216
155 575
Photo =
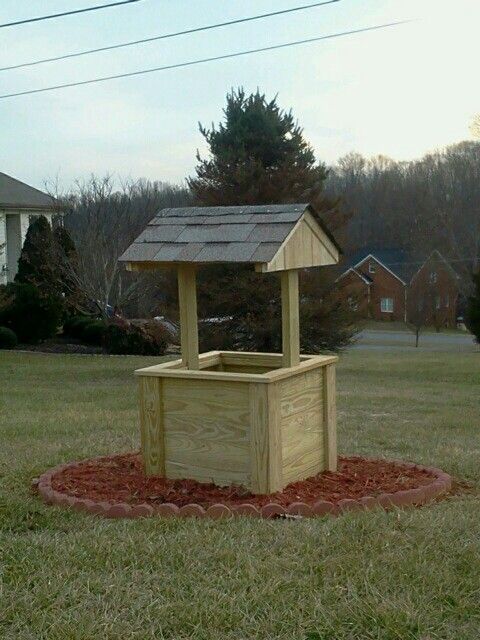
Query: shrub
74 326
158 333
8 338
93 332
131 340
69 324
31 315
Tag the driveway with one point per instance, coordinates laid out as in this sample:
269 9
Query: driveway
373 339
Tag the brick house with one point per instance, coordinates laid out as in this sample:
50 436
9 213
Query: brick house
386 285
434 290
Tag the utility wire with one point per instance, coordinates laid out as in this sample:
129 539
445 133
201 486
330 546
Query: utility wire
191 63
175 34
66 13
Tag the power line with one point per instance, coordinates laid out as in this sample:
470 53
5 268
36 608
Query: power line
203 60
167 35
66 13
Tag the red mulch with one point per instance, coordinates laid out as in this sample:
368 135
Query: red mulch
120 478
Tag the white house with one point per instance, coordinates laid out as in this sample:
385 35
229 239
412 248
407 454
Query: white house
18 203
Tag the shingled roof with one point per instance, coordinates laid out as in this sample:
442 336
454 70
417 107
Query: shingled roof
242 234
18 195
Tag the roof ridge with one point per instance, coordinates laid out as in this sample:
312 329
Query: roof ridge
167 212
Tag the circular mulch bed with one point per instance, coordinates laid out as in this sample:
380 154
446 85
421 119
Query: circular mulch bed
115 486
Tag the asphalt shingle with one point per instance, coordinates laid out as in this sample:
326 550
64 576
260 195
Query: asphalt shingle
216 234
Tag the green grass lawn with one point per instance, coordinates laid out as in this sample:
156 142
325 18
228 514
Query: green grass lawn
411 574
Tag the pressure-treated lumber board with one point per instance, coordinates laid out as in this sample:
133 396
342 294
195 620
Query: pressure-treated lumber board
245 359
188 374
208 359
300 393
290 319
307 245
244 368
313 362
265 440
260 430
302 425
330 417
176 368
207 430
151 426
187 299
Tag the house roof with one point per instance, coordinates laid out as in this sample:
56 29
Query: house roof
18 195
398 261
436 255
240 234
364 277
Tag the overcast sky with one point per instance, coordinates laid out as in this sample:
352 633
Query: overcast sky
400 92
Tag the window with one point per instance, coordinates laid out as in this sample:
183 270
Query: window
438 302
386 305
433 277
353 303
371 267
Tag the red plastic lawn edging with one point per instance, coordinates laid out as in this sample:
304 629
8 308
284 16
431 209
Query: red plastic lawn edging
116 487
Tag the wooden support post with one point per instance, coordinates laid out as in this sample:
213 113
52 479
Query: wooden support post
265 439
187 299
330 417
290 318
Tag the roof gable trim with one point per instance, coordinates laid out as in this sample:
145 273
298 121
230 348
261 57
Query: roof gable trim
357 273
445 262
371 256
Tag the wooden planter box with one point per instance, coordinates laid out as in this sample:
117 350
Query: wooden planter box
242 418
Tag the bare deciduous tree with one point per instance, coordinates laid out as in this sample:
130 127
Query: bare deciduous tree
419 206
422 307
103 221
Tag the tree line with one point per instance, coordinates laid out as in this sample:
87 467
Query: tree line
258 154
419 205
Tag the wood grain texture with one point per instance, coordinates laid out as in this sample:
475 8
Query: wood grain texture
301 421
237 368
151 426
330 417
265 440
221 376
207 430
187 300
290 319
307 245
274 361
300 393
269 360
252 429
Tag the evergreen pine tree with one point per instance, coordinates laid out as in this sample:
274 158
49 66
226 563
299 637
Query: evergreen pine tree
258 155
38 263
473 311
